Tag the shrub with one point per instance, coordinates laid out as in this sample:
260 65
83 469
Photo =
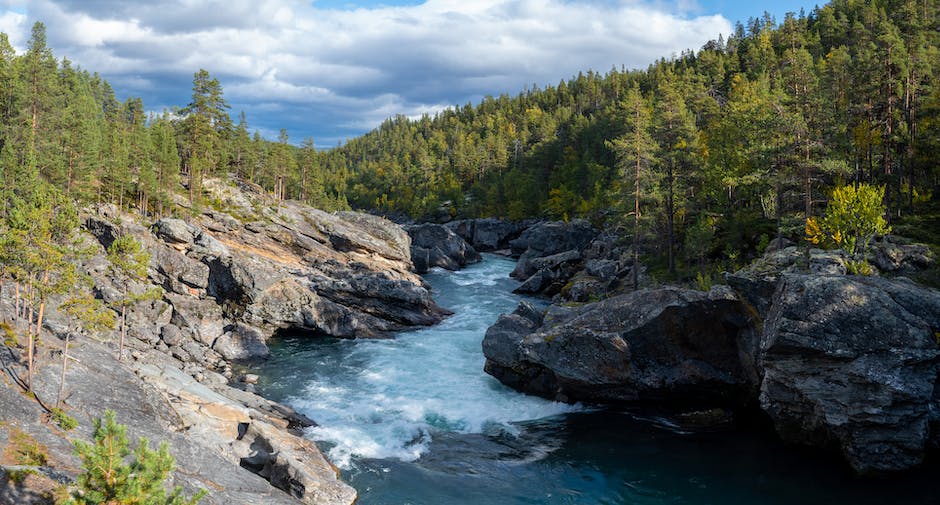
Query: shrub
853 217
108 480
65 421
860 267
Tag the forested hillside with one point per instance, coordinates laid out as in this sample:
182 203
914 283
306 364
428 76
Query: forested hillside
729 140
725 146
64 126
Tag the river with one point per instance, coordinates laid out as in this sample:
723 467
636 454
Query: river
414 420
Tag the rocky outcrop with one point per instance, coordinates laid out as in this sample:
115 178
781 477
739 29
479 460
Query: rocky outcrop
852 362
667 346
833 360
291 268
894 255
435 245
207 425
489 234
571 262
221 286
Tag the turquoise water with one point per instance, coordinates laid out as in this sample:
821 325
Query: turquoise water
414 420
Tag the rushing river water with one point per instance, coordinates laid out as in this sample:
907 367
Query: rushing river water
414 420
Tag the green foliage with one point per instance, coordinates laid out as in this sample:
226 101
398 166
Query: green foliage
25 450
65 421
9 335
860 267
853 217
703 282
89 312
128 258
107 479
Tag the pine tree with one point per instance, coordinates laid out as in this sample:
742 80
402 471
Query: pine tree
129 263
205 122
635 151
108 480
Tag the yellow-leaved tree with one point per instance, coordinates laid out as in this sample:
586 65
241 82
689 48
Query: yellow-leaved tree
854 215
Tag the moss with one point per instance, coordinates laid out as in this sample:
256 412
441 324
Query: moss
9 335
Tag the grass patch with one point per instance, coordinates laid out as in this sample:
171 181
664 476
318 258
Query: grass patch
25 450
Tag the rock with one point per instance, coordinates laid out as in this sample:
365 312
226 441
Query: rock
293 464
569 260
536 282
545 239
171 335
488 234
175 231
604 270
668 346
444 248
778 244
421 258
242 343
757 282
96 381
207 246
894 256
203 319
852 362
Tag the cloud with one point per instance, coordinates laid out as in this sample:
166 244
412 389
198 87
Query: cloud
335 73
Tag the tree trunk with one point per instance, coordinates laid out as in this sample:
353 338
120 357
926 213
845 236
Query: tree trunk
670 221
636 226
123 328
65 363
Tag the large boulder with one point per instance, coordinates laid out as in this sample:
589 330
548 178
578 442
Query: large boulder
435 245
488 234
895 255
668 346
545 239
852 362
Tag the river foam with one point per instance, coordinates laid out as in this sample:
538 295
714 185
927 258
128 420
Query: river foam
381 399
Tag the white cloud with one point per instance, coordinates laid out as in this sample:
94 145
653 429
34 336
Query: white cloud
341 72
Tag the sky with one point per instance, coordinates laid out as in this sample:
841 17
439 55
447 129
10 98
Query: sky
334 69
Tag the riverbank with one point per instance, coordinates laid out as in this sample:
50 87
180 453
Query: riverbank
218 285
373 399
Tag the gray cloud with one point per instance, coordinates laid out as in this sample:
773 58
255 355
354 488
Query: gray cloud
332 74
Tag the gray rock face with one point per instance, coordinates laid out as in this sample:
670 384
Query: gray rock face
175 231
668 345
242 343
550 254
488 234
435 245
545 239
852 362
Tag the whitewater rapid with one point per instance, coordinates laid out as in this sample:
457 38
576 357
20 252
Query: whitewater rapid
381 399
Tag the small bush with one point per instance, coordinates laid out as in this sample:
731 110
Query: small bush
9 335
860 267
65 421
703 282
